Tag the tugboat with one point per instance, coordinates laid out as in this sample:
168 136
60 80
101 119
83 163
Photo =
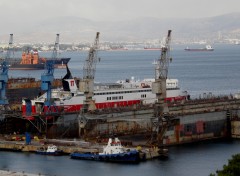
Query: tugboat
113 152
51 150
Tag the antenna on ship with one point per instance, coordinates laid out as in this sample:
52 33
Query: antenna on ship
4 66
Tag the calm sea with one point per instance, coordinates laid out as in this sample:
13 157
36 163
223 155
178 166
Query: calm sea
214 72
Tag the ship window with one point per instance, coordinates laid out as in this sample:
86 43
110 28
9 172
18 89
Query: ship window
204 126
188 128
114 98
143 96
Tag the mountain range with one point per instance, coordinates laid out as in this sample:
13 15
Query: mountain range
79 30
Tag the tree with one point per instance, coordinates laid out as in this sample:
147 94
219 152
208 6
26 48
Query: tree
232 169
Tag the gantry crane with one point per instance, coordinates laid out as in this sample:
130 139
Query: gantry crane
4 72
47 77
159 88
89 69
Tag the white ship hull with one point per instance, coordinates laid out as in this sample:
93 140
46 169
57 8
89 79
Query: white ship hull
121 94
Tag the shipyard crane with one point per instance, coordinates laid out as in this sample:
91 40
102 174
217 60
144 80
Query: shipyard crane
159 88
47 77
4 72
89 69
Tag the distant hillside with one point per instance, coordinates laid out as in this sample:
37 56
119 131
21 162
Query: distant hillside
75 30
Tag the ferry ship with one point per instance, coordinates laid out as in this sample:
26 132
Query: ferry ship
106 95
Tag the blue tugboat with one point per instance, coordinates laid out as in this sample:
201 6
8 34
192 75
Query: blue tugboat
113 152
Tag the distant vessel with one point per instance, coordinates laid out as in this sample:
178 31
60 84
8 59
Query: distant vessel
152 48
206 48
31 61
113 152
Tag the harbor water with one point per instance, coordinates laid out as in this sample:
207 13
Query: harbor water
198 159
200 73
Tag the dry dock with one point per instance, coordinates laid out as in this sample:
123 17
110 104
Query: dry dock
194 120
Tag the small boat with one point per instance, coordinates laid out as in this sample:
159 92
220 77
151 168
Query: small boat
206 48
50 150
113 152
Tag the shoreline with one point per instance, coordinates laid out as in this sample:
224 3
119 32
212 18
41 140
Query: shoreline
13 173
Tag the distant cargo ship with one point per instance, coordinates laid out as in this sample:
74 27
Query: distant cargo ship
206 48
152 48
31 61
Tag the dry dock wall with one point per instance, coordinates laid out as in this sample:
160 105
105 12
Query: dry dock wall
196 120
235 131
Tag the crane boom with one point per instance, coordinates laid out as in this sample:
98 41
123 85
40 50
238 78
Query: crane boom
87 84
159 88
163 63
90 62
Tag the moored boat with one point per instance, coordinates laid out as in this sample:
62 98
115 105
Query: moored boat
113 152
50 150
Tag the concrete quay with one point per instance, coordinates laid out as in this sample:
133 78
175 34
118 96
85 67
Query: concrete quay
69 147
21 146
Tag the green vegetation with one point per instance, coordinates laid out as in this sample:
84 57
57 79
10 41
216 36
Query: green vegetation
232 169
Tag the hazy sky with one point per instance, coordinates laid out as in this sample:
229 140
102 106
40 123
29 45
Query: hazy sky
27 10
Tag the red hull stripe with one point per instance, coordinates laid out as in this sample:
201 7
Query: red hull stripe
104 105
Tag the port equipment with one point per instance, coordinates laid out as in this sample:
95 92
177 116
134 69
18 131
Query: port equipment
47 79
4 66
89 69
159 88
86 85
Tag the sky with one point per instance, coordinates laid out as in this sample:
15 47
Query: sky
113 10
